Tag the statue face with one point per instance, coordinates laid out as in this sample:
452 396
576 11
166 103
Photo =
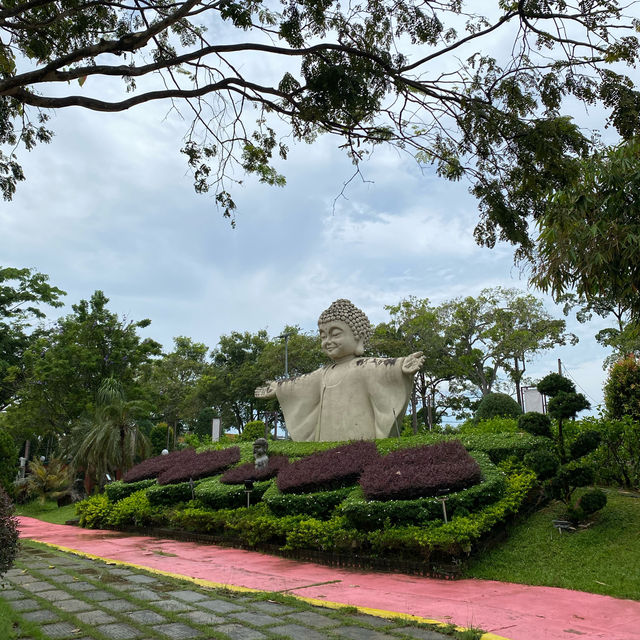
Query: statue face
337 340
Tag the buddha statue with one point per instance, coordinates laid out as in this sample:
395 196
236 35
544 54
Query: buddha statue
354 398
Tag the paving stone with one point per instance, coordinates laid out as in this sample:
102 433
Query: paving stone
359 633
42 615
187 596
13 572
98 595
146 617
256 619
173 605
312 619
203 617
421 633
34 587
73 605
220 606
23 578
141 579
52 572
273 607
27 604
121 572
11 594
177 631
372 621
124 586
80 585
119 631
55 595
238 632
297 632
119 605
145 594
96 616
59 630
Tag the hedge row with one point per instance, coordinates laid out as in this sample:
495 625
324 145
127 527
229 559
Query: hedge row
372 514
216 495
319 504
153 467
200 465
119 490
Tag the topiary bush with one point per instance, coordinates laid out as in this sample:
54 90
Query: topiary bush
252 431
170 494
537 424
419 472
9 540
119 490
592 501
94 511
497 424
200 465
319 504
216 495
495 405
584 444
622 389
153 467
134 510
544 464
326 470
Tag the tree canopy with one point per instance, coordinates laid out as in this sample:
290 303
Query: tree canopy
476 94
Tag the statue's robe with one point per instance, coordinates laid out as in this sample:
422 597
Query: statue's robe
364 398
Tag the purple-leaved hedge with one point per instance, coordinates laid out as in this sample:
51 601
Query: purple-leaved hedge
200 465
248 472
153 467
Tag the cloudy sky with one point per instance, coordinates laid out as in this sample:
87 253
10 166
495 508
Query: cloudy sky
109 205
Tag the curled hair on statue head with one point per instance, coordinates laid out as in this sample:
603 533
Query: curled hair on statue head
354 318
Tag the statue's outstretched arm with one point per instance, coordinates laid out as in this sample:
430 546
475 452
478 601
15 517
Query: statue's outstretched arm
267 391
412 363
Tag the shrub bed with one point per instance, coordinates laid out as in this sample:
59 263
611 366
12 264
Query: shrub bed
134 510
94 511
373 514
153 467
216 495
200 465
326 470
248 473
319 504
169 494
420 472
119 490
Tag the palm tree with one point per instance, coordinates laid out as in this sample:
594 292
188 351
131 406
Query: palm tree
48 482
110 441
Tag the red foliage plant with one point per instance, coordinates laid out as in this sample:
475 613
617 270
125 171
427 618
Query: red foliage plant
153 467
420 472
200 465
327 470
248 472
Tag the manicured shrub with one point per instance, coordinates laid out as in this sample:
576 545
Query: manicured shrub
119 490
200 465
373 514
544 463
331 535
248 473
325 470
94 511
170 494
622 390
497 424
134 510
419 472
319 504
584 444
497 404
554 383
9 543
216 495
252 431
537 424
153 467
592 501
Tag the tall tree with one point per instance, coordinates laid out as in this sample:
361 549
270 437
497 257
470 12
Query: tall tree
22 293
417 75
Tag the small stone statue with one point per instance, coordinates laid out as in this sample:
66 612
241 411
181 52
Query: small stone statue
354 398
260 455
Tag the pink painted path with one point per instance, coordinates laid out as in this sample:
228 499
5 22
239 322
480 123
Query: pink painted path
518 612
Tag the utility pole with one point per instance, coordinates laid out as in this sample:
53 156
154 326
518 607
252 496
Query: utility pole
559 366
286 352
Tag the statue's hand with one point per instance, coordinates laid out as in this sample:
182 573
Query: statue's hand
413 362
268 391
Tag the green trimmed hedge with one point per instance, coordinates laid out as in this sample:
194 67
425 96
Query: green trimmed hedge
119 490
319 504
170 494
216 495
374 514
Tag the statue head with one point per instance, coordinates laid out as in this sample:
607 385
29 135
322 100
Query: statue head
344 330
260 447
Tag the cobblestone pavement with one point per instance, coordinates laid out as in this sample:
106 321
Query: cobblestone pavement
61 596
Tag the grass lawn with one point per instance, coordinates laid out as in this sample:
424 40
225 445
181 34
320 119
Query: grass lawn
604 558
49 512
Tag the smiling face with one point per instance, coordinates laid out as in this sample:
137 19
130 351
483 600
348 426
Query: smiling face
338 341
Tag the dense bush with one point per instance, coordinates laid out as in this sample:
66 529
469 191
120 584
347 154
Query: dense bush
200 465
8 461
319 504
216 495
622 390
170 494
119 490
373 514
544 463
497 424
585 443
592 501
153 467
494 405
537 424
94 511
9 543
419 472
158 438
252 431
325 470
134 510
248 473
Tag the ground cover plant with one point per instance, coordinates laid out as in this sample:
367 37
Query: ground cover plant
199 465
419 472
153 467
325 470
